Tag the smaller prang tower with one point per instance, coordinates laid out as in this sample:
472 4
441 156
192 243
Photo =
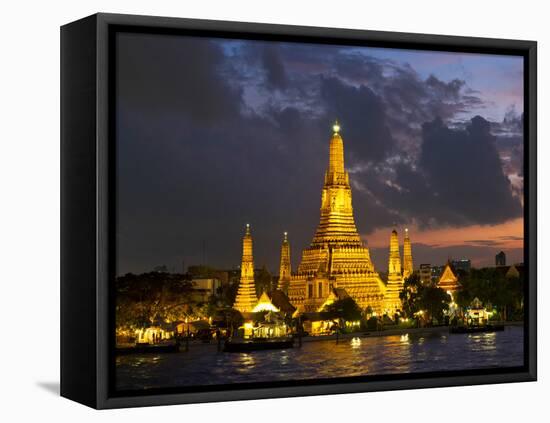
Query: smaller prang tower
246 298
407 256
285 266
392 303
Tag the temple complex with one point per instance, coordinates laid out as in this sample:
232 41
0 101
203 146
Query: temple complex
285 266
246 298
336 257
336 260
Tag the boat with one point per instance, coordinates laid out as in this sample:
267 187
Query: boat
258 345
476 329
144 348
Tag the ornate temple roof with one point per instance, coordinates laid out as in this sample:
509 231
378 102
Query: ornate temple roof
448 280
264 304
281 301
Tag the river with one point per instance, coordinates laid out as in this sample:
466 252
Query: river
409 353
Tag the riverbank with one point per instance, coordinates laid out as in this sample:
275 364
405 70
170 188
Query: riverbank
342 336
391 332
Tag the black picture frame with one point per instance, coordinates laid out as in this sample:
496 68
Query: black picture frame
87 198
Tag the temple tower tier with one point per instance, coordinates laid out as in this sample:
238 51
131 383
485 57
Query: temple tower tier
246 298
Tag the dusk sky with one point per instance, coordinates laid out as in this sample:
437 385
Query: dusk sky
213 134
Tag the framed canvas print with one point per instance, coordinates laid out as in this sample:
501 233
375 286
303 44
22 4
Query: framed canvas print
255 211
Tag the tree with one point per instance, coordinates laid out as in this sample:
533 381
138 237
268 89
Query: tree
434 301
262 280
417 297
229 293
142 300
410 293
492 286
346 309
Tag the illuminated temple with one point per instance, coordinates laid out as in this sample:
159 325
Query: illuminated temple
394 286
336 259
246 298
285 267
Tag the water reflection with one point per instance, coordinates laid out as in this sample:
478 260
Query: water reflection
355 343
284 358
203 365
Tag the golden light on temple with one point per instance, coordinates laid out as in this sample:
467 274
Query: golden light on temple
408 267
285 266
337 263
336 257
448 280
246 294
265 304
396 272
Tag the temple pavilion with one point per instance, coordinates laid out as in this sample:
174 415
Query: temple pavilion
448 280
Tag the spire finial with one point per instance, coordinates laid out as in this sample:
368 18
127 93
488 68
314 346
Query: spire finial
336 127
248 228
286 234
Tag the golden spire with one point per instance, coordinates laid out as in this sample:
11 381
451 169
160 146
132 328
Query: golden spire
394 264
336 154
337 224
392 302
285 266
407 256
246 295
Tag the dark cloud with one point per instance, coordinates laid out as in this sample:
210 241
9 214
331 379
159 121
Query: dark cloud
464 171
274 67
457 171
176 75
360 69
363 117
409 99
210 138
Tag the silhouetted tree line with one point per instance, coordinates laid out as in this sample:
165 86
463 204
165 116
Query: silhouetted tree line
148 298
494 288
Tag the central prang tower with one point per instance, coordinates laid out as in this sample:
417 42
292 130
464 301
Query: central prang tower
337 257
